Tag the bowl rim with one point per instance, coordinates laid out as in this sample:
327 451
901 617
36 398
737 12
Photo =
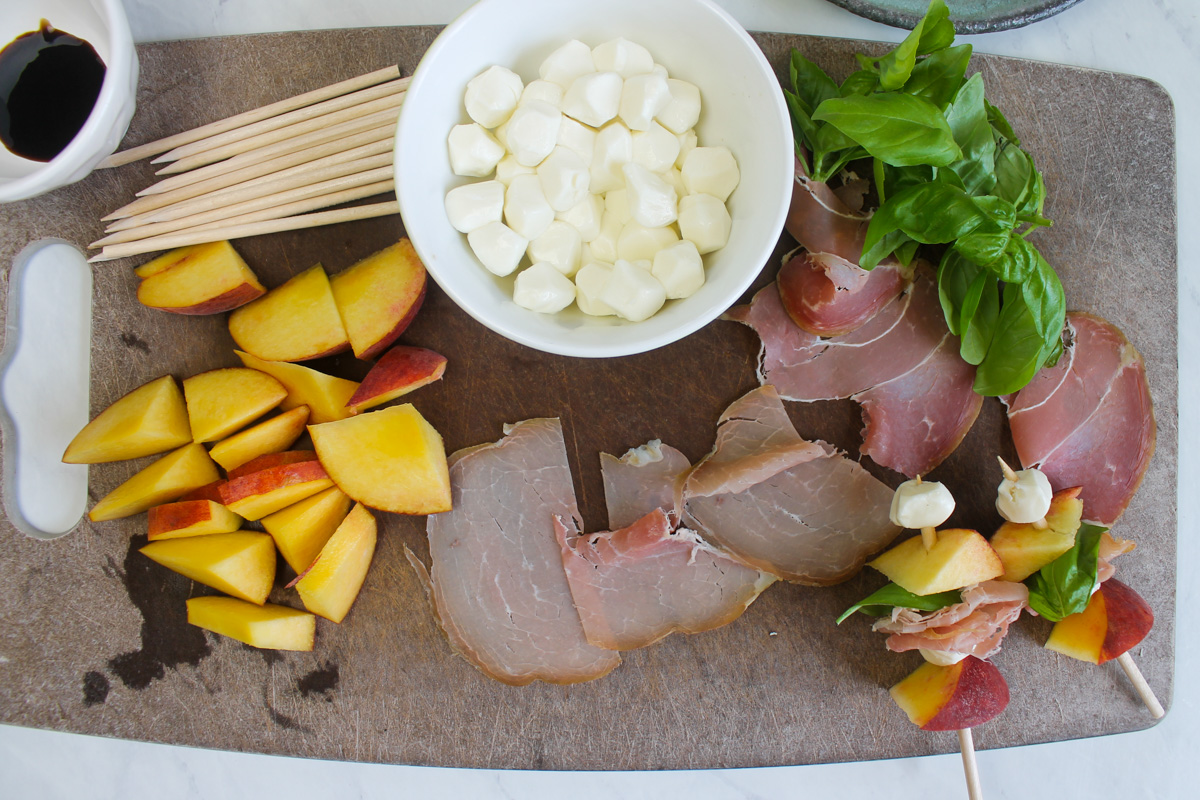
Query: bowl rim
601 349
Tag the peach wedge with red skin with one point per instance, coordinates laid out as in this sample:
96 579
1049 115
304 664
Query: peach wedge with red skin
297 321
265 491
325 395
241 564
167 479
330 586
191 518
401 370
1024 549
201 279
1115 620
392 460
269 460
267 627
149 420
379 296
222 401
272 436
950 698
959 558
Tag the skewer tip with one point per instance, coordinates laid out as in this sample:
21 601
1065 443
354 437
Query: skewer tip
1006 469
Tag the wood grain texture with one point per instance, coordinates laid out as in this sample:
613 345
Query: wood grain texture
93 637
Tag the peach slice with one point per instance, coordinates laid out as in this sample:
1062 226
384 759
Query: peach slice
265 491
392 460
191 518
269 627
401 370
209 491
276 434
1025 549
167 479
953 697
331 584
325 395
241 564
201 279
302 529
379 296
268 460
297 321
1115 620
959 558
221 401
151 419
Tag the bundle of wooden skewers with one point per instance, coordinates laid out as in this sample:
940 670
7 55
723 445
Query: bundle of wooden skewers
266 170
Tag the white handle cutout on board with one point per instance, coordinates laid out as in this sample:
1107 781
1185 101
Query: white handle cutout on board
45 370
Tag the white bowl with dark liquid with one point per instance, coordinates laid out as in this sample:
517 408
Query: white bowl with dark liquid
101 23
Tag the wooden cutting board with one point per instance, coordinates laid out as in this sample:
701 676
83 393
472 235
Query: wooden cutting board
93 637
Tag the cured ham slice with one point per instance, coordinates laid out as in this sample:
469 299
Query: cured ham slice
1110 548
497 581
975 626
794 508
902 367
1088 420
643 479
635 585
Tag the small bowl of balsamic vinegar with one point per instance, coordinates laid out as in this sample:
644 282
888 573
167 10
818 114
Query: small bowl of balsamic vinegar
68 80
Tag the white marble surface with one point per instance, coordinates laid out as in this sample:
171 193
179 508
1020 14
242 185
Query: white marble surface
1159 39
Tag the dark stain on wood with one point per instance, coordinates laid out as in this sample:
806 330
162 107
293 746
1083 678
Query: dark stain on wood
95 688
134 342
321 681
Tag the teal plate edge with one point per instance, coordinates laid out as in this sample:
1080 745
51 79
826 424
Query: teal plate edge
969 16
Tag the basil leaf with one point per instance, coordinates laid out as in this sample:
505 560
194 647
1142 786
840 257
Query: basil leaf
955 275
804 130
897 65
938 77
931 213
1017 181
906 252
1044 297
899 129
861 82
1064 586
981 308
984 248
809 82
967 118
892 596
1016 351
998 121
937 31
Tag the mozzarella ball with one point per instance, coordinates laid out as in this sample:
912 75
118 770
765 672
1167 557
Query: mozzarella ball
943 658
509 168
632 292
497 247
711 170
533 131
674 179
544 289
637 242
547 92
642 97
687 143
567 63
614 149
474 153
623 57
921 504
589 285
474 205
593 99
492 95
704 221
655 148
652 201
564 176
679 269
683 110
576 136
659 69
585 216
604 246
1027 499
616 203
559 246
525 208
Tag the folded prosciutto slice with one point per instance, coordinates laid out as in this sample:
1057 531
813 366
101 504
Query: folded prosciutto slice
975 626
635 585
643 479
1088 420
497 581
902 367
794 508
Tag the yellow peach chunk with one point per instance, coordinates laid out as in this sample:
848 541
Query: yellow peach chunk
302 529
959 558
191 518
297 321
168 478
1081 635
269 627
241 564
151 419
222 401
330 586
1025 549
201 279
272 436
379 296
325 395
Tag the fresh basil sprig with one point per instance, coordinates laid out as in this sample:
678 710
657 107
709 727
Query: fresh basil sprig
1064 586
881 602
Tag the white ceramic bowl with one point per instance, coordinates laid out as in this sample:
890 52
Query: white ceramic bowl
104 25
696 41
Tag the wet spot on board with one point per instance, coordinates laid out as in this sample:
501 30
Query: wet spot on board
167 639
270 657
135 342
95 688
281 719
320 681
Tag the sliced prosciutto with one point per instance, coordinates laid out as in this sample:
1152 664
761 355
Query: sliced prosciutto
975 626
794 508
635 585
643 479
497 581
1088 420
902 367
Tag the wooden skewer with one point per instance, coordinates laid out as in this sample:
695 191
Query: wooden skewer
249 117
271 137
171 241
1007 470
287 121
967 744
928 537
1139 684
